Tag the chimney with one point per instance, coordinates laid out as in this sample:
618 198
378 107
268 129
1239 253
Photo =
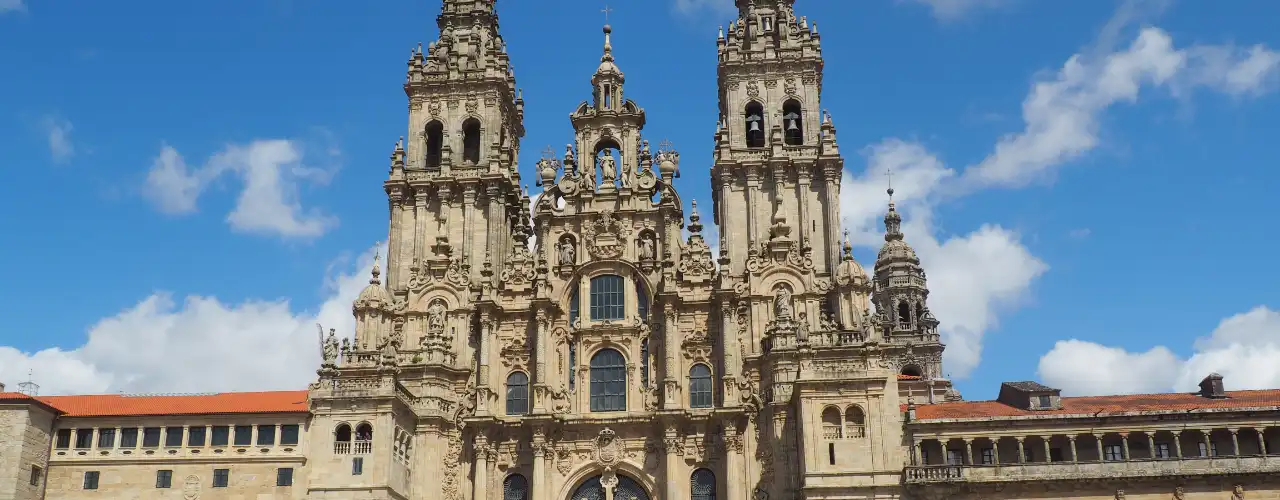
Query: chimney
1 386
1211 387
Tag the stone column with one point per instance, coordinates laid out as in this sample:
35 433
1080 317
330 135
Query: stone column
395 198
480 487
1151 444
1177 444
1235 442
671 371
482 378
1074 456
540 486
753 204
1048 457
802 193
1022 452
1262 441
419 220
671 442
832 174
494 223
732 356
917 457
968 451
733 463
468 226
1208 443
543 338
1098 439
1124 441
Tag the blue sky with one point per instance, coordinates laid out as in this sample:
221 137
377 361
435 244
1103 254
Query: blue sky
1089 185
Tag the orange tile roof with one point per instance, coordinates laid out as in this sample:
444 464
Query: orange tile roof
909 377
1104 405
110 405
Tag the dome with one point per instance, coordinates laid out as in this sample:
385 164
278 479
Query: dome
897 250
374 295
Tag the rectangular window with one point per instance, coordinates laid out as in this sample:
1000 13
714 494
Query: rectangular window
1112 453
988 456
289 434
150 437
173 437
266 435
1055 454
1046 402
607 298
36 474
106 438
164 479
244 435
64 439
195 436
221 477
129 437
220 435
91 480
284 476
1162 450
84 438
955 457
357 466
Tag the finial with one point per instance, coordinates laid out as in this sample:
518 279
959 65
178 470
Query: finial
608 46
721 35
374 280
419 47
888 172
695 224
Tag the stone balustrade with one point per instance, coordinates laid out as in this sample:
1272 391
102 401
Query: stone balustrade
1139 468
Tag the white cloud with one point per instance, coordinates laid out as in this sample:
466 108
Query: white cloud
200 344
58 132
11 5
270 171
951 10
1243 349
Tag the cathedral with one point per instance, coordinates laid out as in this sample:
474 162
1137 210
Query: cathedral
585 342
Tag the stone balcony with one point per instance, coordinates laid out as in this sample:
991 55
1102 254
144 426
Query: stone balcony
1042 471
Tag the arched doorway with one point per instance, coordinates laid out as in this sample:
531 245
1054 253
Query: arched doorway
626 489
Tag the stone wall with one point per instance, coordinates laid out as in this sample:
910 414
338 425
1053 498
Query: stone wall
191 480
25 432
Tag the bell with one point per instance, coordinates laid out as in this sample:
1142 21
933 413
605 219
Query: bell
755 125
791 125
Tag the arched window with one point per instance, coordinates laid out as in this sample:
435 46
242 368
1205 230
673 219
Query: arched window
471 140
342 439
515 487
435 141
573 305
702 485
607 298
904 314
700 386
517 393
854 423
608 381
831 423
912 371
625 489
755 125
363 444
793 122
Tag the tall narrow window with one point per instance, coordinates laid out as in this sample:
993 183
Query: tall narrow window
64 439
574 305
195 436
793 121
702 485
471 140
266 435
644 362
289 434
106 438
608 381
36 474
244 435
84 438
904 314
517 393
700 386
755 125
515 487
435 142
831 423
129 437
607 301
357 466
854 422
220 435
642 302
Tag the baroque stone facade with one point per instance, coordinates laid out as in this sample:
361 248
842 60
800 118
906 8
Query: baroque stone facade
588 342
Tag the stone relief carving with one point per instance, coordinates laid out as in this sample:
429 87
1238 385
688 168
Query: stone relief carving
515 353
191 488
1237 493
605 236
753 89
607 448
1179 494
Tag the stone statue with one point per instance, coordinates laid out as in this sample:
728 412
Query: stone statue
329 346
626 174
782 304
802 331
1237 493
608 168
828 322
435 318
567 253
646 248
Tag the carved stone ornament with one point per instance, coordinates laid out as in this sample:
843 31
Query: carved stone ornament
696 261
697 346
608 449
472 104
1237 493
191 487
1179 493
515 352
606 237
1119 494
753 89
433 107
789 86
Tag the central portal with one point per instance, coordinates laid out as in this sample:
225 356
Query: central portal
626 489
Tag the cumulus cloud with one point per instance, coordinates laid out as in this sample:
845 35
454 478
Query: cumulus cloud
951 10
1243 349
58 133
270 173
196 344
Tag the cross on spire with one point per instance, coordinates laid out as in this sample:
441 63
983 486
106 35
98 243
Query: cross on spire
606 12
548 153
888 172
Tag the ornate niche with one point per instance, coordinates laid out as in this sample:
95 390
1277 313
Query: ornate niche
606 236
566 254
647 248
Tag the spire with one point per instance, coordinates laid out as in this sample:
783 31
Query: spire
608 67
695 220
892 221
375 275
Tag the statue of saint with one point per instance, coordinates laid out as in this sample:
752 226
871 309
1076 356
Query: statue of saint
626 174
646 249
608 168
782 304
567 252
329 347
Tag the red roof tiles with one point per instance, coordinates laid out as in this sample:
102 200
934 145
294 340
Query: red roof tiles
232 402
1104 405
